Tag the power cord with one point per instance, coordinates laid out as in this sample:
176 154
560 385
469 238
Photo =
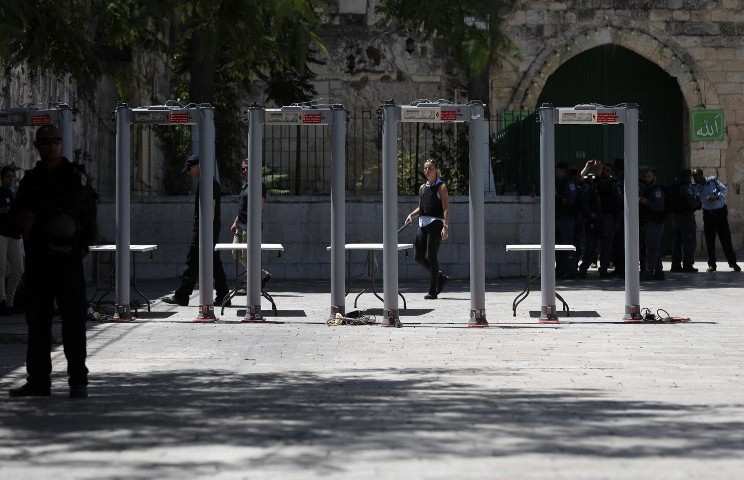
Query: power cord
355 317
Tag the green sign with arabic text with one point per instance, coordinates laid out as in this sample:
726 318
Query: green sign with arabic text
707 125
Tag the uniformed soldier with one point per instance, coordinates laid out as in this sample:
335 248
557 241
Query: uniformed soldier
11 252
609 199
683 201
651 213
589 207
712 194
565 220
56 213
618 245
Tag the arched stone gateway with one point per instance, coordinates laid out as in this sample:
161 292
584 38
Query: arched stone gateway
518 82
668 57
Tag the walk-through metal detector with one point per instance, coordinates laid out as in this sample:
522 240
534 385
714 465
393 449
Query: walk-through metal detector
588 114
304 115
60 115
170 114
435 112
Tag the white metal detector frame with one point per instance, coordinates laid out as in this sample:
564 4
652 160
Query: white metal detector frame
309 116
201 116
434 112
59 115
588 114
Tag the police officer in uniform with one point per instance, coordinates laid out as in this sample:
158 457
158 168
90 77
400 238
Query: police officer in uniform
683 201
565 220
56 213
618 245
589 206
651 213
609 198
191 272
433 212
715 219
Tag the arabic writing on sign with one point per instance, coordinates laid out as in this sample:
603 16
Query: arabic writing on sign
708 125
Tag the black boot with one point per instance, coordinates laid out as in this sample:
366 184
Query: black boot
29 389
441 282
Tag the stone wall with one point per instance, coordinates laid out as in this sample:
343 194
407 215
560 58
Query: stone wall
92 127
700 43
302 224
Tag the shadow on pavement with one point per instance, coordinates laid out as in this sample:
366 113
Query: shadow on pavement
406 413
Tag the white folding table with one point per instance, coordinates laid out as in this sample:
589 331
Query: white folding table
240 286
529 248
111 249
372 266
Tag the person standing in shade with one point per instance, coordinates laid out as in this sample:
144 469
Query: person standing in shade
55 211
11 253
712 194
191 274
683 201
566 196
651 215
609 199
590 208
433 213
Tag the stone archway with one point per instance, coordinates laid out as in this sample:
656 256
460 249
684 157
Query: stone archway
676 63
516 88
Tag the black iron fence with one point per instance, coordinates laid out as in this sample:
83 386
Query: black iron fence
297 160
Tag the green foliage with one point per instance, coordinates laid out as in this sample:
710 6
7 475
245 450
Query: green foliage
410 175
216 50
450 150
469 29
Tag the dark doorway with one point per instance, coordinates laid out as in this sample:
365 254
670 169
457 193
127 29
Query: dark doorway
610 75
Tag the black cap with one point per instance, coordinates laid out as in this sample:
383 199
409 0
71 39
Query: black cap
190 162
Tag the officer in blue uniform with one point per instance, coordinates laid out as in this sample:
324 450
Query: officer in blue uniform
712 194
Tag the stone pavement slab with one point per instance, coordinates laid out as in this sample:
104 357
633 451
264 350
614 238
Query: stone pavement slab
589 398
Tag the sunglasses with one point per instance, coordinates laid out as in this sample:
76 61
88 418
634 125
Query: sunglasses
48 141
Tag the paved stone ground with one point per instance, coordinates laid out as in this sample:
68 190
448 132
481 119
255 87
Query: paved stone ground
590 398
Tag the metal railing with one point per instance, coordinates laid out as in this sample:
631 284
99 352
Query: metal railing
297 161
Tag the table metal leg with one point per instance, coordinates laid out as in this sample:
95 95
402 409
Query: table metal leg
565 305
268 297
521 296
373 273
134 285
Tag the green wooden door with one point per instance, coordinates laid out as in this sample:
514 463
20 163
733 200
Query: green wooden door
611 75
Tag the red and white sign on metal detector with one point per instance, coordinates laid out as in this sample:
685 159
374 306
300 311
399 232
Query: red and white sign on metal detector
588 114
300 115
59 115
171 114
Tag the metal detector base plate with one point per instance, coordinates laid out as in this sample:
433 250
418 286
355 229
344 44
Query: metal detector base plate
206 314
122 313
391 319
548 314
477 319
253 315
